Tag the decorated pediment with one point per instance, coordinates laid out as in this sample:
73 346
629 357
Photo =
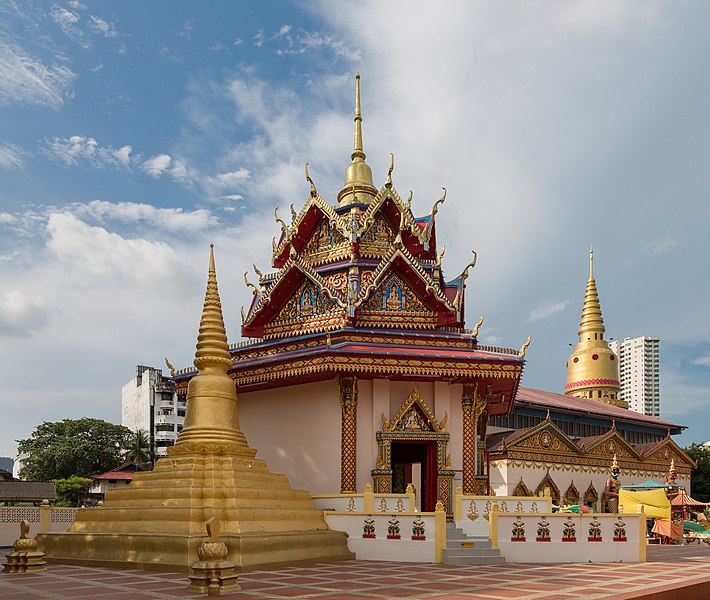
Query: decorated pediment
545 437
299 300
308 310
394 303
414 416
377 239
667 450
609 444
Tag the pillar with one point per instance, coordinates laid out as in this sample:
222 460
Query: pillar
473 404
348 434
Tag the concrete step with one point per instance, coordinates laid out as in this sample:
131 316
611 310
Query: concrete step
469 550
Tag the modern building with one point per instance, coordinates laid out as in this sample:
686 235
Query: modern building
639 370
149 402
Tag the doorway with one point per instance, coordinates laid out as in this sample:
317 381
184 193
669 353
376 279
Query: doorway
415 462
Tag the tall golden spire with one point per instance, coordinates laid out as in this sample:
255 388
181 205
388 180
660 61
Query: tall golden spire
593 369
358 175
591 326
211 415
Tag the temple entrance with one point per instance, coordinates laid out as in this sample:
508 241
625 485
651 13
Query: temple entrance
415 462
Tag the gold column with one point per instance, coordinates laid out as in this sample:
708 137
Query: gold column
348 434
473 405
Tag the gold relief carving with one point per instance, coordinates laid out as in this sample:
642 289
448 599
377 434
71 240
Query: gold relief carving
400 505
383 505
351 505
487 510
209 448
504 506
413 414
338 281
365 278
472 511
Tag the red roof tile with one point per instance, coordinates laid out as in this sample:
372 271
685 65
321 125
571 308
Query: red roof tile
554 401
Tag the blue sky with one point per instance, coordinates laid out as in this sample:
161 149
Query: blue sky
134 133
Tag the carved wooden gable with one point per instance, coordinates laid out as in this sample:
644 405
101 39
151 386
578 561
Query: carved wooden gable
546 437
612 443
325 244
393 304
414 415
308 310
377 239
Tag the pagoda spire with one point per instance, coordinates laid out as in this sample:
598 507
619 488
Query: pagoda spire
592 369
591 325
211 416
358 184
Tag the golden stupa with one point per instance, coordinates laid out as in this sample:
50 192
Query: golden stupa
593 368
158 521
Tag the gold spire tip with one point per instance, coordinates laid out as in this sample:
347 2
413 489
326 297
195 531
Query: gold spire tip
591 262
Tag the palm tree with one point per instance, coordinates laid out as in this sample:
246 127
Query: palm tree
138 448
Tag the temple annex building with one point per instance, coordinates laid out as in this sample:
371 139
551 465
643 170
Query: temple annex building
358 369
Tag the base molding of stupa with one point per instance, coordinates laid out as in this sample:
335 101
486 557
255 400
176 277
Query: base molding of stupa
178 552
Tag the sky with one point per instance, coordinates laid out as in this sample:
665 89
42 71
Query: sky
133 134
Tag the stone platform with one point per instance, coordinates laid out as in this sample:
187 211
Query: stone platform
671 573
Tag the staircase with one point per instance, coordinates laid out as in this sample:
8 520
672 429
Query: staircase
467 550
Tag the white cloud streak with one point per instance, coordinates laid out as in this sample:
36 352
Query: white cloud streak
21 313
703 361
11 156
169 219
104 27
78 148
25 79
547 309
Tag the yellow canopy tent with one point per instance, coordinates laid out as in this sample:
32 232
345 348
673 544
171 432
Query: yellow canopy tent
655 503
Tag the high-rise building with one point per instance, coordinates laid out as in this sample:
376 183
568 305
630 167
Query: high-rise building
149 402
639 370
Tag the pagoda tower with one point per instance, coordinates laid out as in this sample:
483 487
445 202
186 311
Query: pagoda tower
358 368
593 368
158 521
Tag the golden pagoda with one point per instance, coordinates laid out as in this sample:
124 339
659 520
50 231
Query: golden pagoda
158 522
593 368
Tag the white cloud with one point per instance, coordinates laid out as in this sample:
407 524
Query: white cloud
703 361
78 148
231 179
7 218
11 156
233 197
25 79
68 23
547 309
107 29
659 246
100 252
21 313
172 219
157 165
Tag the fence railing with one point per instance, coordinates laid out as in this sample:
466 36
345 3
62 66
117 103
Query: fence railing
44 519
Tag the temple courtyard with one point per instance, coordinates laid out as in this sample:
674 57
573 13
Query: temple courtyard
671 573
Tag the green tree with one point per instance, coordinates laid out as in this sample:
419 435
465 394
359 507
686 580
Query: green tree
68 490
700 477
139 448
58 450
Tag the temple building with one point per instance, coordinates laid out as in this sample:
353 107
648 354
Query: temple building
358 368
566 443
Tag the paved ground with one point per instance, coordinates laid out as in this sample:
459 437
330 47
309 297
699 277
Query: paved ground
668 569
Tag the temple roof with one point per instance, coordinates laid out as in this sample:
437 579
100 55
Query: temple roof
542 400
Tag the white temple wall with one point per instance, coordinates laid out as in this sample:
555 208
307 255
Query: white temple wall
296 430
368 422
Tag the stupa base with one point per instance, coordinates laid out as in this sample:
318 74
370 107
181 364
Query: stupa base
178 552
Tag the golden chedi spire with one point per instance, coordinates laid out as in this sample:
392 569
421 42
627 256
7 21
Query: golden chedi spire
593 368
211 414
358 186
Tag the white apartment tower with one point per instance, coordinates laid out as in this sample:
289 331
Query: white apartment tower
639 371
149 402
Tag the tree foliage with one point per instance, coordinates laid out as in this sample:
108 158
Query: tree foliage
700 477
68 490
138 449
58 450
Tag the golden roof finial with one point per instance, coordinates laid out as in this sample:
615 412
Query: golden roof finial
591 263
249 283
212 347
358 172
478 326
388 182
314 193
435 208
170 367
524 347
358 153
592 322
280 221
471 265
